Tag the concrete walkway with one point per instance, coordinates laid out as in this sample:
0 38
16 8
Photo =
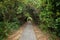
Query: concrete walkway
28 33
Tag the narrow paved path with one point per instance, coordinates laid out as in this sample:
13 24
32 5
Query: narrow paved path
28 33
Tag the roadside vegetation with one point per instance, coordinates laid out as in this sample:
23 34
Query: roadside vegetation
14 13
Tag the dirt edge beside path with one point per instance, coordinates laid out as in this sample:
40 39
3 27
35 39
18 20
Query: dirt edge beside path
17 34
39 34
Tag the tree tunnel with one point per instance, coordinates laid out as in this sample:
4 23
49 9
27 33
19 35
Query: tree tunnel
14 13
32 12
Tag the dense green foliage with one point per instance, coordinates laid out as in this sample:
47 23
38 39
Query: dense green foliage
14 13
50 16
11 17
